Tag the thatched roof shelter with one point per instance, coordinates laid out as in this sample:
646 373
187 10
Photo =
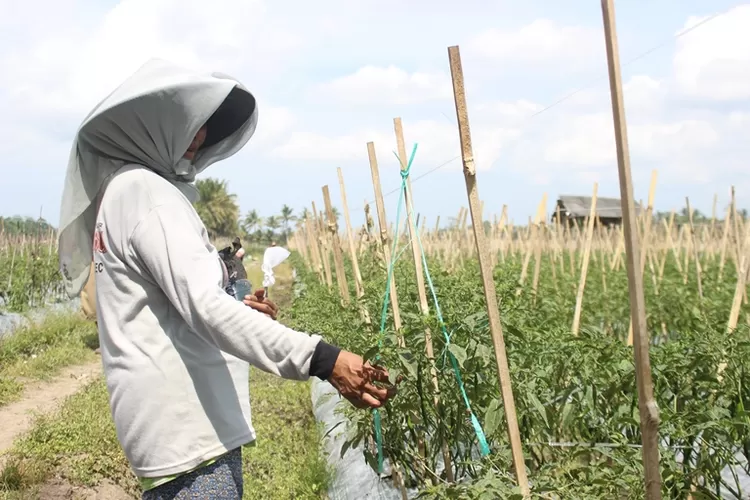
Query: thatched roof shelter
579 207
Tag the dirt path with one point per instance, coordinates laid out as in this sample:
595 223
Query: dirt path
42 397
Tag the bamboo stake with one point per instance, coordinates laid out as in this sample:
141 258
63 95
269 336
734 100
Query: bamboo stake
538 246
649 412
490 295
602 259
322 254
737 249
384 236
532 233
734 313
338 258
585 263
646 233
421 291
713 215
695 250
314 250
501 229
323 246
350 238
672 244
724 240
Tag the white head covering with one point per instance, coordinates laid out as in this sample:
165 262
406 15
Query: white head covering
149 120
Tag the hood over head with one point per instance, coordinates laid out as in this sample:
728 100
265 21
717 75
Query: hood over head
149 120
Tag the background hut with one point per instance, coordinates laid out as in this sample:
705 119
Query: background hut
578 208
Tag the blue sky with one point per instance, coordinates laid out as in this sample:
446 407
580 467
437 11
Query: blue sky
330 76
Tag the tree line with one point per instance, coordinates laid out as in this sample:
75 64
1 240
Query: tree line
218 209
220 213
683 217
24 226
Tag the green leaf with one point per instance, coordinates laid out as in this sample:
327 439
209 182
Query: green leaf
410 366
370 353
484 353
538 406
393 374
567 413
371 460
492 417
459 353
345 448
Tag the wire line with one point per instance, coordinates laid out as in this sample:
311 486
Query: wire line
576 92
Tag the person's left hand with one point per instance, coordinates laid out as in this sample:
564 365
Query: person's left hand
354 379
262 305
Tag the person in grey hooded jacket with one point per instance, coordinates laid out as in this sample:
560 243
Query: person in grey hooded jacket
176 348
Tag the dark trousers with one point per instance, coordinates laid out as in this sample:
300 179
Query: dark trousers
222 480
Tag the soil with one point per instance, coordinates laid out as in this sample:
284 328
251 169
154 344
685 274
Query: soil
40 398
58 489
44 397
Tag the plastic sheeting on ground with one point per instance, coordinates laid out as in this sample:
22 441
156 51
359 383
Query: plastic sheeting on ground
353 478
9 321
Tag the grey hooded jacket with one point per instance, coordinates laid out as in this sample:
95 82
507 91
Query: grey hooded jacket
175 346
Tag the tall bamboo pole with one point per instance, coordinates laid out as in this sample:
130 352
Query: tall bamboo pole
490 295
649 412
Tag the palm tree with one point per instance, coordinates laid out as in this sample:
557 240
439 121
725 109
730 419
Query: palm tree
251 221
272 223
216 207
287 215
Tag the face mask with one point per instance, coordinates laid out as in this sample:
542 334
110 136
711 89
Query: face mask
185 169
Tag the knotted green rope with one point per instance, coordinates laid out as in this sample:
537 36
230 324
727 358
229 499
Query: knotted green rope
484 448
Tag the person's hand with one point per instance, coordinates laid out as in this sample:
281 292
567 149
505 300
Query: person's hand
261 304
354 379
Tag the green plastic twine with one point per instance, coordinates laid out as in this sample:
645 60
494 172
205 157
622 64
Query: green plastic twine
384 315
484 448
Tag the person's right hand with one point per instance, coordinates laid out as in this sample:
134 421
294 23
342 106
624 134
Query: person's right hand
354 378
257 302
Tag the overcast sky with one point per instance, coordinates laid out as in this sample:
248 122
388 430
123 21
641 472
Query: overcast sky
331 76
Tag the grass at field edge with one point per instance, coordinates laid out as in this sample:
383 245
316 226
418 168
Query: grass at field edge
78 444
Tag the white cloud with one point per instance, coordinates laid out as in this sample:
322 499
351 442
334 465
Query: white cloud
518 110
690 146
390 85
581 141
669 140
542 40
713 61
691 120
645 95
69 71
493 124
275 123
313 146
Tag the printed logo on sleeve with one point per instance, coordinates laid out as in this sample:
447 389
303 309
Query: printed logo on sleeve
99 246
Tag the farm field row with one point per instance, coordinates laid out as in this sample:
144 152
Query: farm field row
74 450
575 394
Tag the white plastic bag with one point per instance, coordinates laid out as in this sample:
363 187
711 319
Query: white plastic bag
272 258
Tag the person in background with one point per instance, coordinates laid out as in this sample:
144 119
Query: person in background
88 297
239 252
88 301
175 346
